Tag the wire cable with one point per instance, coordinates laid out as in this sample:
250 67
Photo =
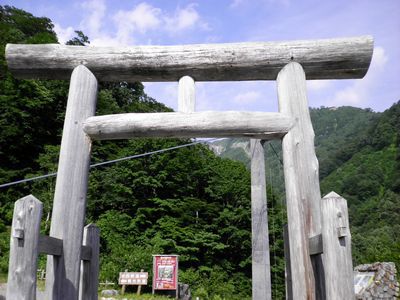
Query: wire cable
277 155
114 161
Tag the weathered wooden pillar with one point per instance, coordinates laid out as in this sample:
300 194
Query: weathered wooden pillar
303 196
261 273
89 280
186 95
24 250
337 259
288 275
62 280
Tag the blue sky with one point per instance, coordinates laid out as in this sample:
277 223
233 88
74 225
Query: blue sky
165 22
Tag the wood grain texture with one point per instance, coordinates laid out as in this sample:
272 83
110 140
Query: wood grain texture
62 280
315 244
89 280
261 268
337 258
288 270
24 251
197 124
321 59
301 179
186 95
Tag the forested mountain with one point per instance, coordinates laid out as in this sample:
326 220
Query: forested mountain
188 201
359 155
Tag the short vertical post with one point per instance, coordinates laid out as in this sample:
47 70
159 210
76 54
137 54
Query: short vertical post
62 280
303 197
337 248
24 251
139 288
261 273
124 285
89 280
186 95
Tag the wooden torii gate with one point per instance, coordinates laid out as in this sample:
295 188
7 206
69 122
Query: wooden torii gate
289 63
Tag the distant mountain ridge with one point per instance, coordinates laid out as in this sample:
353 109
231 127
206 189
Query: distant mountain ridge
359 155
338 132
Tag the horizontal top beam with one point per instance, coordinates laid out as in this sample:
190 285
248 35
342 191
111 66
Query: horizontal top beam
197 124
321 59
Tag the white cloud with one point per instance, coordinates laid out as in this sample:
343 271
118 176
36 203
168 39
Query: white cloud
141 18
183 19
247 97
236 3
352 95
104 40
379 58
317 85
94 20
133 24
63 34
165 92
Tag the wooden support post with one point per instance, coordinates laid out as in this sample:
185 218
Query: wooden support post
62 280
303 196
337 248
123 286
25 230
123 289
89 280
261 273
186 95
139 288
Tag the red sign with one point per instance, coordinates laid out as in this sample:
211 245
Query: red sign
165 272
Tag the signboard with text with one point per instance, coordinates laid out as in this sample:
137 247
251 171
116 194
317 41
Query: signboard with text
133 278
165 272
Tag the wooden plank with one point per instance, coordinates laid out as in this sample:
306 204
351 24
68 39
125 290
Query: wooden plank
261 269
186 95
25 230
89 280
62 280
197 124
86 253
315 244
50 245
322 59
337 258
301 179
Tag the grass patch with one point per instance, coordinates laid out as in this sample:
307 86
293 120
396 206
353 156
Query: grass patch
130 296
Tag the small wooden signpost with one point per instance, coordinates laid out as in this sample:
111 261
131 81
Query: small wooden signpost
133 278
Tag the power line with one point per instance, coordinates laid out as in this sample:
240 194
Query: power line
113 161
27 180
277 155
